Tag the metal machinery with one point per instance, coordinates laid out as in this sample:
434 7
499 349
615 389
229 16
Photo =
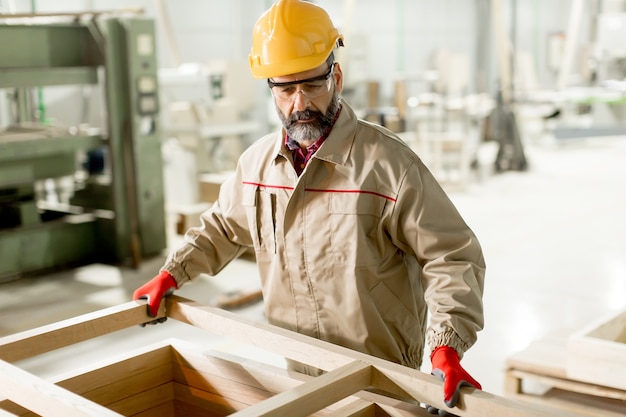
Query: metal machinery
115 211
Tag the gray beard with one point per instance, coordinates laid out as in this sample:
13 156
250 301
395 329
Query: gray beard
307 133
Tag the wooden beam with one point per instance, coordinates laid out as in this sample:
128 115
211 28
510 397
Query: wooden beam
388 406
46 398
138 369
274 339
167 409
356 408
6 414
265 377
384 410
314 395
130 384
472 403
212 404
145 400
10 407
237 387
419 385
569 385
74 330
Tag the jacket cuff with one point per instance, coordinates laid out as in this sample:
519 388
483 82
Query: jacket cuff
177 272
446 337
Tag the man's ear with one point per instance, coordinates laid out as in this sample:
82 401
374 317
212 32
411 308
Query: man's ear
338 74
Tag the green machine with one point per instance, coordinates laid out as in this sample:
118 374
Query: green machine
115 212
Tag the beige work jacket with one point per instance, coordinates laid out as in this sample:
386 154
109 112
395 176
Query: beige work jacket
355 251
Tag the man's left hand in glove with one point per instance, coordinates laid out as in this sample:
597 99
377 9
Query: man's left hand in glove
447 366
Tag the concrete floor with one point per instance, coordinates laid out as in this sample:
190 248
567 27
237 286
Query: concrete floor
554 241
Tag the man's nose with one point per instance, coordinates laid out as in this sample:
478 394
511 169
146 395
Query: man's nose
300 101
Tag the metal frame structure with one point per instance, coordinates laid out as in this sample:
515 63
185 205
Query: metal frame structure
116 215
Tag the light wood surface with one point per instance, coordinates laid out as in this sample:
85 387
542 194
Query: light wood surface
28 391
392 377
320 392
71 331
597 353
545 362
167 379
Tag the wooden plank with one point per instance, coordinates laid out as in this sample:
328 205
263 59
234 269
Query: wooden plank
574 404
219 404
12 408
45 398
6 414
240 390
512 384
544 356
238 299
211 404
264 377
387 405
597 353
161 410
585 404
187 410
145 400
386 410
134 384
419 385
314 395
265 336
74 330
472 403
231 378
356 408
115 378
545 362
572 385
151 365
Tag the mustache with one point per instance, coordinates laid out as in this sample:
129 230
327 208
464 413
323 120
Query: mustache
304 115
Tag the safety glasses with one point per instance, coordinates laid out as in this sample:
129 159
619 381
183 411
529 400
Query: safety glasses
310 88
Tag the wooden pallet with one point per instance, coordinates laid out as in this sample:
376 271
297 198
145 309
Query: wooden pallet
175 378
544 362
597 353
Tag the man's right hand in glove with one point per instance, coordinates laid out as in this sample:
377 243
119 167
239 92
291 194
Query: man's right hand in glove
154 290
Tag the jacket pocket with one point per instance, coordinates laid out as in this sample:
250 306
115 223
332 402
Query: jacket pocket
355 228
260 208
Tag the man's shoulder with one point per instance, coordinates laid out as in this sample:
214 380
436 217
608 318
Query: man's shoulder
382 137
265 145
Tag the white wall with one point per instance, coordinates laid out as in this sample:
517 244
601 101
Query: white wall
398 37
402 35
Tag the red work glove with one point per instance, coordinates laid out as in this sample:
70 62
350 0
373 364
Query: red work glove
447 366
154 290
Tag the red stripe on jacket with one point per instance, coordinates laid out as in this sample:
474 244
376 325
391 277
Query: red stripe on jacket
317 190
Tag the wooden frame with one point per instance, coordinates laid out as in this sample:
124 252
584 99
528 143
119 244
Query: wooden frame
174 378
597 353
543 362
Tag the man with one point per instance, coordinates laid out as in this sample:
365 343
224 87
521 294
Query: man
355 241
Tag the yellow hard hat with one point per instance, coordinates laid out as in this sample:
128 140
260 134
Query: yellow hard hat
292 36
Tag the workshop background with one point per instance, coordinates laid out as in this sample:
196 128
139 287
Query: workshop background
518 108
